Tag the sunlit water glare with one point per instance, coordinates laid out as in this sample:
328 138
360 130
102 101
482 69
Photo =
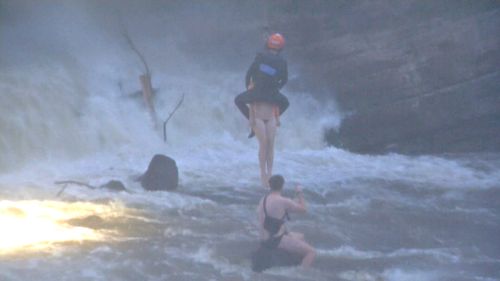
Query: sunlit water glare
40 225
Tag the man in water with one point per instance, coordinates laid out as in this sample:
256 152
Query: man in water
273 212
265 77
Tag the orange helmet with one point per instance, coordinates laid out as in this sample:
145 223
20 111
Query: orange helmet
276 41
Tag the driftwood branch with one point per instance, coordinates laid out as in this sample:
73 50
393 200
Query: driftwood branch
138 53
112 185
145 79
170 116
65 184
147 94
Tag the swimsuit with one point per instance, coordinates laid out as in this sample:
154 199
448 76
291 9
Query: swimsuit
273 226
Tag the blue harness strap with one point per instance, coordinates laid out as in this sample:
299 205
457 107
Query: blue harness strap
267 69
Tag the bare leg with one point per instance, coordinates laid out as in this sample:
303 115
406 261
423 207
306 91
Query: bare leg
297 235
270 133
295 245
260 131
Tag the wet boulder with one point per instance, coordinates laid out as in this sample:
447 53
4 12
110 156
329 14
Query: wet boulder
264 258
162 174
114 185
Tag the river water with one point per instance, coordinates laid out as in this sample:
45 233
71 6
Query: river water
390 217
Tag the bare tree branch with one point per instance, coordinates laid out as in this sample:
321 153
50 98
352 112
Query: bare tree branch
170 116
65 184
112 185
134 48
145 79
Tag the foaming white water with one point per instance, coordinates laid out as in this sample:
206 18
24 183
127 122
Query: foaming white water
234 163
409 275
48 113
71 113
37 115
440 255
67 95
391 275
207 256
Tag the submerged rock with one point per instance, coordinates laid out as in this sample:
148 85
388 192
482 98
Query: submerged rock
264 258
114 185
162 174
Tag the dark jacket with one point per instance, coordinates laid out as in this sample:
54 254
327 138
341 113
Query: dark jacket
268 72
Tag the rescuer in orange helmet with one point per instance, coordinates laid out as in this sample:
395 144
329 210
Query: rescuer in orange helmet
262 103
265 77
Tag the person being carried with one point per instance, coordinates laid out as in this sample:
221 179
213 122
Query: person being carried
264 121
265 77
273 212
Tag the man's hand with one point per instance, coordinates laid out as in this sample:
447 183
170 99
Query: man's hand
276 112
298 189
299 198
250 85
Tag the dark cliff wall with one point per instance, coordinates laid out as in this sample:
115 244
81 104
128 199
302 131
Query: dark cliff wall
413 76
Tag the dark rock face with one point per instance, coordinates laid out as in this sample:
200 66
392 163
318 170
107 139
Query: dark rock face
162 174
414 76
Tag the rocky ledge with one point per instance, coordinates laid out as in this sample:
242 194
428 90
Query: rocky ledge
410 76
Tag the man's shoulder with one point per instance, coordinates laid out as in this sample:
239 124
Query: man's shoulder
285 200
260 55
272 59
